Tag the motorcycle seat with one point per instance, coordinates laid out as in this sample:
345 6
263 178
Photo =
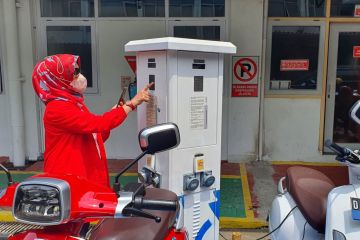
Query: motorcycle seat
138 228
309 189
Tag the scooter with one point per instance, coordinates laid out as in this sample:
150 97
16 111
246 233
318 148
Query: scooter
311 207
64 205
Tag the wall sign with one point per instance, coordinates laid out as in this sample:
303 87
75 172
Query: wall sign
244 76
294 65
132 62
356 52
357 10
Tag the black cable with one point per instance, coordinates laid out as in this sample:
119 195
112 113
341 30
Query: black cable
223 236
304 231
279 225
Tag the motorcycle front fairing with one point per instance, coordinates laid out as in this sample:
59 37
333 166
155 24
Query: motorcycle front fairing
339 213
85 200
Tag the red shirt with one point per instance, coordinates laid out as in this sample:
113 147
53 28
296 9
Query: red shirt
74 140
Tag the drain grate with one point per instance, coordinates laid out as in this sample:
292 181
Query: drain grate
8 228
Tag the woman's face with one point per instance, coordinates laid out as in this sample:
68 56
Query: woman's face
79 82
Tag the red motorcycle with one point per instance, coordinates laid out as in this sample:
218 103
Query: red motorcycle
65 204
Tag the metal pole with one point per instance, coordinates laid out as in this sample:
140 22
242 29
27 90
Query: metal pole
12 66
262 84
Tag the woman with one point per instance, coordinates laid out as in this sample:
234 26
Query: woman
74 137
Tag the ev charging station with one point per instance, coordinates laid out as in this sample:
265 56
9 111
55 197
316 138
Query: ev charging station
188 89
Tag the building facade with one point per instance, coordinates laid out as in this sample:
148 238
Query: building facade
289 87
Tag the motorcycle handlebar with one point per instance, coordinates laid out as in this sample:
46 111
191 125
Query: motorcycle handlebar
166 205
336 148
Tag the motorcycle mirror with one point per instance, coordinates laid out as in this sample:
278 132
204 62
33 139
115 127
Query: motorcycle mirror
355 112
152 140
159 138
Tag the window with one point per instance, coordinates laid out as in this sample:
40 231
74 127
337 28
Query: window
296 8
132 8
198 32
198 29
67 8
73 40
295 59
197 8
343 8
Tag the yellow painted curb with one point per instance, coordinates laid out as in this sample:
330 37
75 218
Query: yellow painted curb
6 216
231 176
246 192
228 223
334 164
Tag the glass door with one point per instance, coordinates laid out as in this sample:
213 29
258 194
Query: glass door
343 85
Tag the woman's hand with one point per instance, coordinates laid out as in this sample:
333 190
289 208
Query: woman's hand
142 96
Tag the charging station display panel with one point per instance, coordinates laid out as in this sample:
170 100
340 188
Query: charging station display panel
153 70
197 98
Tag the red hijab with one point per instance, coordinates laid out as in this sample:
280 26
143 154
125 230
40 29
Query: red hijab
51 79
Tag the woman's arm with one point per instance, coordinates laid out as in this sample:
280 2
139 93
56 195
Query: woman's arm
69 117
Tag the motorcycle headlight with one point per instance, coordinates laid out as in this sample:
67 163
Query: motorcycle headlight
338 235
42 201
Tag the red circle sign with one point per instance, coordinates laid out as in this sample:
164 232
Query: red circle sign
246 71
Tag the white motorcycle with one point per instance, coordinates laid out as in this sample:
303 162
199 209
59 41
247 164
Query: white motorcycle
311 207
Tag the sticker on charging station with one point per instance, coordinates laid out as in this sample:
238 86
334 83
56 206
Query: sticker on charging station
198 112
151 112
199 163
356 51
357 10
245 76
355 208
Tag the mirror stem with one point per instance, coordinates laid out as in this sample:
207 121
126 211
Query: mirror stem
116 183
9 177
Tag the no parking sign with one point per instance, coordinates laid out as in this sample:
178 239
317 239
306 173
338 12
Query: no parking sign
244 76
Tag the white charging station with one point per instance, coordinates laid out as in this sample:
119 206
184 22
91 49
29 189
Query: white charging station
188 76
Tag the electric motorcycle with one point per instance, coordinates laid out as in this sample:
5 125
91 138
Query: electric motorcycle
66 204
311 207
